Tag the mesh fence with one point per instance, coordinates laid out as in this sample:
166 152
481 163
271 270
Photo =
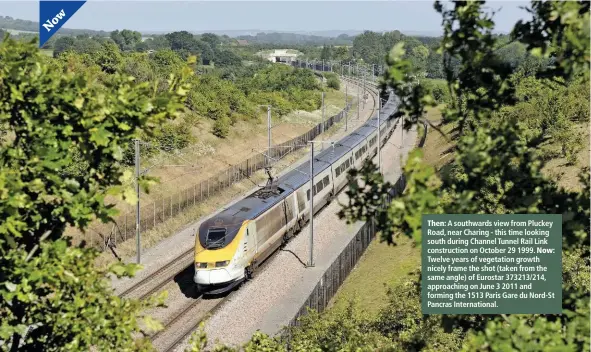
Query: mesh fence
103 236
334 276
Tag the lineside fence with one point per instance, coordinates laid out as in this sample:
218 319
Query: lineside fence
105 236
336 274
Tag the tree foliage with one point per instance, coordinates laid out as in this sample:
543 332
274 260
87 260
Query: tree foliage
126 39
52 296
497 166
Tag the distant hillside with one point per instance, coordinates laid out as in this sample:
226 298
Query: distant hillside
254 36
296 39
8 22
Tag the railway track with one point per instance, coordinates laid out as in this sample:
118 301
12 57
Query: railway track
188 318
159 278
167 272
185 322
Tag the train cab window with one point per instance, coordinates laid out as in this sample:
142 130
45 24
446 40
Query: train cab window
215 238
326 181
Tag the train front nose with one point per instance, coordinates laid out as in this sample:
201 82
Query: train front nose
212 277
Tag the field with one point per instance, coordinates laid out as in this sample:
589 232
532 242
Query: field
382 266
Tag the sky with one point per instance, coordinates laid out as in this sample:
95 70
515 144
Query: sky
199 16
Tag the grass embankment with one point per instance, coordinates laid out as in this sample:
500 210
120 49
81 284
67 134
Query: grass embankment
214 163
211 155
382 266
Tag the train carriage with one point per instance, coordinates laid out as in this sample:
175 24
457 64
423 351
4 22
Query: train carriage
232 244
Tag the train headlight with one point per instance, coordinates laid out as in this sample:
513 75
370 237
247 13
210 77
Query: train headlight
201 265
221 264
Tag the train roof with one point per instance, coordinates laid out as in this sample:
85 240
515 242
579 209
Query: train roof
248 208
334 153
352 140
255 204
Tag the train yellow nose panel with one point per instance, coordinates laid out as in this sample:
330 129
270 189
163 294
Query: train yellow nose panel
212 277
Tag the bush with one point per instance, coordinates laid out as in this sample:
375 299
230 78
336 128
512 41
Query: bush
438 89
570 141
333 83
173 136
221 127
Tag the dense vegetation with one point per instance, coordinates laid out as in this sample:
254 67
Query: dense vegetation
291 39
53 298
33 26
226 93
46 283
496 170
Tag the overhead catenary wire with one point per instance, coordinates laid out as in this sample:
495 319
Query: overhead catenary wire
164 151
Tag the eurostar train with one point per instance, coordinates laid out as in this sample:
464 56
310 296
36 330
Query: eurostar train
232 244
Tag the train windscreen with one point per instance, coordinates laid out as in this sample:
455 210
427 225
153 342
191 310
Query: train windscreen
215 238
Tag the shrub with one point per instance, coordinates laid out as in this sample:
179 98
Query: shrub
334 83
173 136
438 89
221 127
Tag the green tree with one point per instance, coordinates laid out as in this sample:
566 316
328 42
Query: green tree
326 53
225 58
369 47
341 53
108 57
211 39
53 298
166 61
126 39
86 45
496 170
419 56
183 41
158 42
62 44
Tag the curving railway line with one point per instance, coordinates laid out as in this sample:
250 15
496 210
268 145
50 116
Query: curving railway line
186 319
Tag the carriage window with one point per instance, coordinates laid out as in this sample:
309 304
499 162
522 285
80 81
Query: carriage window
215 237
318 187
326 181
